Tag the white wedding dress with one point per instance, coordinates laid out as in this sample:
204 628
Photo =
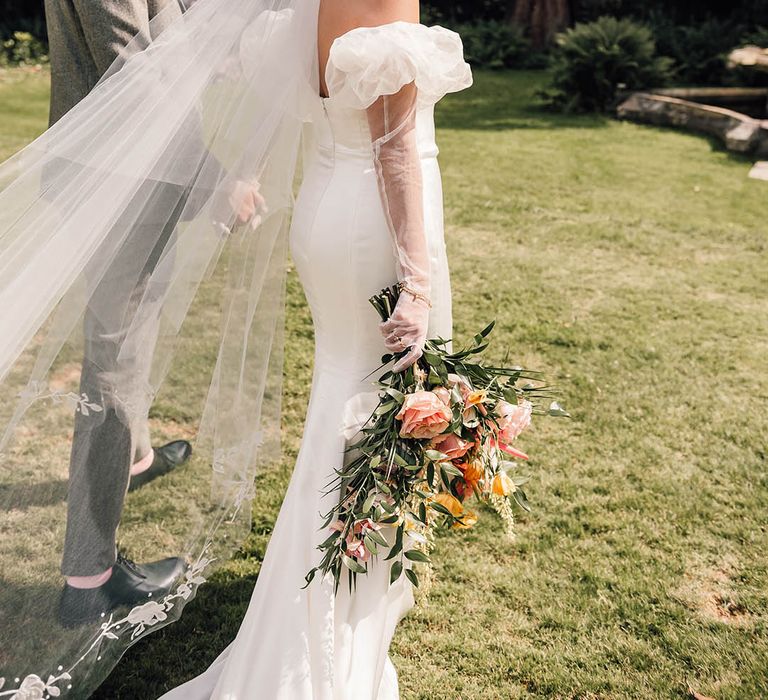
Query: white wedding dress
310 644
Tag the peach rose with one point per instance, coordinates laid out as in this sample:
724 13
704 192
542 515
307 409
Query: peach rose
451 445
513 420
465 388
443 394
423 415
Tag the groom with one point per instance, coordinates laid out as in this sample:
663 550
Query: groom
114 454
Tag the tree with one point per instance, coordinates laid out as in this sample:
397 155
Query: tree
541 18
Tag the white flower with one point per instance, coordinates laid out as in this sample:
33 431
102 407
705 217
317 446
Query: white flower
148 614
32 688
184 590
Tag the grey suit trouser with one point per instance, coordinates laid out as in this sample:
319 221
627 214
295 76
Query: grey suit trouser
85 37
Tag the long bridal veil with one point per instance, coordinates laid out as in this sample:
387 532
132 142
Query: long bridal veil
129 289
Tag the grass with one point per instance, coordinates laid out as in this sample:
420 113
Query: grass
630 264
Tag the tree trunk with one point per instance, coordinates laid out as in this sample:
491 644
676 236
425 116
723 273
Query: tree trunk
542 18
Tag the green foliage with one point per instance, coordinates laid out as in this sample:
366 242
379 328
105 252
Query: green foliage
758 37
22 49
686 12
700 50
465 11
494 44
593 61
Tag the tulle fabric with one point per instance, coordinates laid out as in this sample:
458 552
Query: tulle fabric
126 282
373 61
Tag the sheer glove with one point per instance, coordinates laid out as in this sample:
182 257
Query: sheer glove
406 328
392 122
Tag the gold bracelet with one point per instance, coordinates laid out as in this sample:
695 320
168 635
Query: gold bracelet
416 295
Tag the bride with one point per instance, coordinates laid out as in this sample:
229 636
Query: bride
356 81
372 180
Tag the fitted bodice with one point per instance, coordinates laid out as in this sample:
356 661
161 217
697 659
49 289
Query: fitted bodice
343 132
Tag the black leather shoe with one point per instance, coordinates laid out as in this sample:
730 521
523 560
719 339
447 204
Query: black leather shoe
166 458
130 584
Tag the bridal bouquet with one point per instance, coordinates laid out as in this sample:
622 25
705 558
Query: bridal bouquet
442 434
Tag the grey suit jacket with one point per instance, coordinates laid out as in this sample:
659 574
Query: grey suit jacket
86 36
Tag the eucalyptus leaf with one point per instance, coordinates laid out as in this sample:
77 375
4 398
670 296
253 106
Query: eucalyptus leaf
452 469
417 555
352 565
556 410
398 546
385 408
378 538
440 508
368 504
370 544
521 499
395 572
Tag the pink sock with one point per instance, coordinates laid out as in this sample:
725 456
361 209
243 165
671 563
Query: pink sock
90 581
100 579
143 464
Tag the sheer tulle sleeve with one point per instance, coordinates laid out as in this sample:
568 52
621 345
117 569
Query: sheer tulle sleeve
392 71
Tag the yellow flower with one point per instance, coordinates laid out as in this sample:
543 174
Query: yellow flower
473 473
450 502
453 504
467 520
502 485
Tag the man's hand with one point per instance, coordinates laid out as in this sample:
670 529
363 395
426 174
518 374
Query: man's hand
238 202
247 203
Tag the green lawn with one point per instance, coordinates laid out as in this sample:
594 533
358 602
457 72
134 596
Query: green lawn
630 264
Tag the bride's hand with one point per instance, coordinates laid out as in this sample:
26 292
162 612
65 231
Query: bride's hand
405 329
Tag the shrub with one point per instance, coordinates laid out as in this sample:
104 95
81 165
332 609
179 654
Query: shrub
22 49
493 44
699 51
593 61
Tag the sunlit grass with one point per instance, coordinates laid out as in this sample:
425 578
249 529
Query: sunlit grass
630 264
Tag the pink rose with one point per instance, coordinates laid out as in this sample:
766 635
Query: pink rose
451 445
362 527
512 419
423 415
356 548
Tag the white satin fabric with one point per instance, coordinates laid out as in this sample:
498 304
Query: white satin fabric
308 644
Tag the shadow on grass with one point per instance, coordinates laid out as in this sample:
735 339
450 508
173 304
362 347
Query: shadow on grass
21 496
185 648
496 102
